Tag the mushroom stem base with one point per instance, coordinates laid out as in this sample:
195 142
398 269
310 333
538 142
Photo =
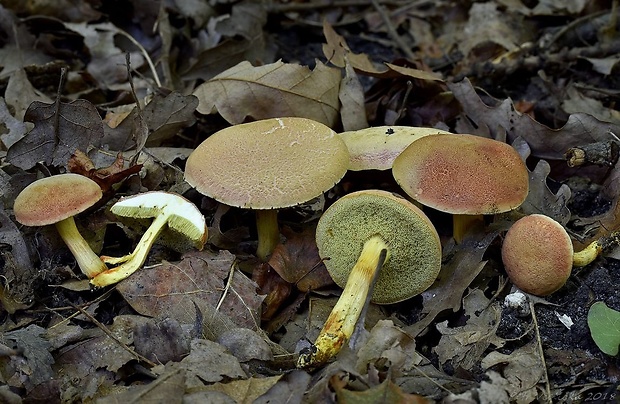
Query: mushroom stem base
341 321
595 248
90 264
462 223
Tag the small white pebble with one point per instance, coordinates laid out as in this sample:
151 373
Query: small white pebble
564 319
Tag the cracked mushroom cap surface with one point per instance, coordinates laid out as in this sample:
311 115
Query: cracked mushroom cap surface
463 174
537 253
414 246
267 164
53 199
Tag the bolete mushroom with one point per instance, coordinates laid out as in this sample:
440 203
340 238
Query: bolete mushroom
464 175
351 235
168 210
538 254
267 165
56 200
376 148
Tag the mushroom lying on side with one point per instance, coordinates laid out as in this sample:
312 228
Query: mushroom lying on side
538 254
56 200
267 165
465 175
351 235
168 210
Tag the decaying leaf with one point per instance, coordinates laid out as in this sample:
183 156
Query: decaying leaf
455 277
297 261
208 362
274 90
60 129
202 278
34 365
523 370
541 200
245 391
464 345
503 119
386 392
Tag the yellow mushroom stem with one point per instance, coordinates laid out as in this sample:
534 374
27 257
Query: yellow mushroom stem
462 223
90 264
595 248
344 316
135 260
268 232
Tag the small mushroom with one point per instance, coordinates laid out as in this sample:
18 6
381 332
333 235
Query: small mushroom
351 235
267 165
168 210
465 175
376 148
538 255
56 200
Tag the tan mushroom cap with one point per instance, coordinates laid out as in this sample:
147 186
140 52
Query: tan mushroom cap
267 164
53 199
415 250
463 174
538 254
376 148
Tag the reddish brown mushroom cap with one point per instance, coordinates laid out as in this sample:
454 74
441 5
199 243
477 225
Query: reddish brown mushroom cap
538 254
268 164
53 199
462 174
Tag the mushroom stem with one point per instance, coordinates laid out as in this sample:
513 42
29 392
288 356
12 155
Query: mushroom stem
341 321
461 224
595 248
137 257
90 264
268 232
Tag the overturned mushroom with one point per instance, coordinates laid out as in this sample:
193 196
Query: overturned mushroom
351 235
168 210
56 200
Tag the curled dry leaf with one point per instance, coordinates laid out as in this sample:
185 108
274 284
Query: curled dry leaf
274 90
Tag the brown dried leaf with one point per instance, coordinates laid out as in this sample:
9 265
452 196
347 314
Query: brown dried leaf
387 392
456 275
503 119
60 129
297 261
274 90
338 53
464 345
171 289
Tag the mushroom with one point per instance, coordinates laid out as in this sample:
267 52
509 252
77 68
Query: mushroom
56 200
538 255
168 210
376 148
351 235
268 165
465 175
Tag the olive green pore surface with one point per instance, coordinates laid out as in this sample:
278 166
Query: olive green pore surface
414 246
